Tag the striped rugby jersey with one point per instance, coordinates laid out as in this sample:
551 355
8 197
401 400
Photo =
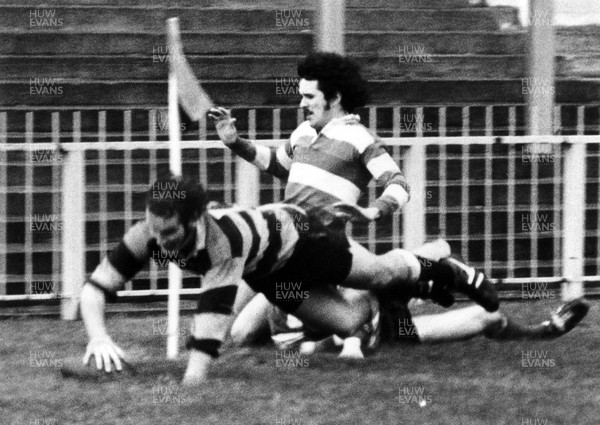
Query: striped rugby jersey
334 165
235 243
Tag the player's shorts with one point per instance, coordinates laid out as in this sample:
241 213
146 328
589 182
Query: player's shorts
397 325
322 257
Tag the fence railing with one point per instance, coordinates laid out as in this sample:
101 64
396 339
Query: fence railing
507 204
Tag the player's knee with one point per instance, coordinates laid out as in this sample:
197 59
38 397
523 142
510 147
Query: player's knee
397 265
383 273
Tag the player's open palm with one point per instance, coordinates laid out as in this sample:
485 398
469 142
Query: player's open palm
224 124
106 353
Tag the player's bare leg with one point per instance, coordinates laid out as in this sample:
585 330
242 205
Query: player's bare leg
456 325
466 323
327 310
401 273
252 324
434 250
368 337
562 321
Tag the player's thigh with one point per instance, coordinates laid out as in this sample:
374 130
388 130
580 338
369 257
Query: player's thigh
327 310
253 321
366 268
370 271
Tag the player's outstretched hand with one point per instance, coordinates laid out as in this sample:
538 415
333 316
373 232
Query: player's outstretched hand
106 353
224 124
355 213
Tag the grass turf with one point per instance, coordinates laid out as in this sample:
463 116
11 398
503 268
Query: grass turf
473 382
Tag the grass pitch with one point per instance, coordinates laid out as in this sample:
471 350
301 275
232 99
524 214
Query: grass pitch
472 382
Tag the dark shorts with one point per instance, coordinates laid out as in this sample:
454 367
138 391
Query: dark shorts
397 324
322 257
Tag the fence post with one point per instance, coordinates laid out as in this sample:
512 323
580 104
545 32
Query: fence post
73 229
414 211
540 85
247 176
331 22
573 220
3 202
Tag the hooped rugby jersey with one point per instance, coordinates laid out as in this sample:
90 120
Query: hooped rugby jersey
237 243
334 165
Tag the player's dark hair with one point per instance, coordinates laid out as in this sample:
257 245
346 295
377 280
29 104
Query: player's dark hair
170 195
336 74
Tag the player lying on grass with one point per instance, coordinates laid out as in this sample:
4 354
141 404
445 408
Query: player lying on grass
463 324
265 246
288 332
457 325
328 163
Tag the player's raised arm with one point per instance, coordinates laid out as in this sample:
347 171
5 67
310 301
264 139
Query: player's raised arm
274 161
110 275
387 173
213 318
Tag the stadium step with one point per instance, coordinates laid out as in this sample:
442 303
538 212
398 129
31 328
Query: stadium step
569 41
409 65
269 43
131 19
406 65
251 93
264 4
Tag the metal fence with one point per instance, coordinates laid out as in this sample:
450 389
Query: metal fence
497 197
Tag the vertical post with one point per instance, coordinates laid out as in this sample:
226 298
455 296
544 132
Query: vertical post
277 135
247 176
510 209
372 193
3 202
73 230
128 172
414 211
464 193
487 212
331 16
29 133
175 274
153 114
573 219
443 167
539 87
55 169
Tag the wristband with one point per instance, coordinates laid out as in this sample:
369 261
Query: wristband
208 346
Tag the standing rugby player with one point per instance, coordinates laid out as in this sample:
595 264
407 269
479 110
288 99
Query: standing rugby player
328 162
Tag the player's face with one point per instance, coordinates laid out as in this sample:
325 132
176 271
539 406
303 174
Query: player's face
317 110
169 232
